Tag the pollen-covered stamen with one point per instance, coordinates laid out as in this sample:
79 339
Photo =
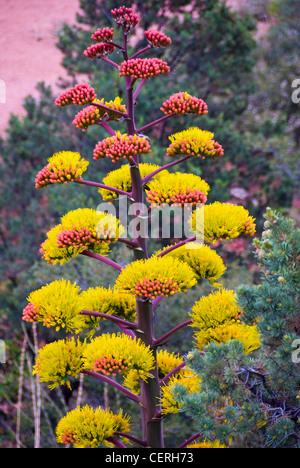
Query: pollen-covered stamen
152 288
184 103
143 68
157 38
110 366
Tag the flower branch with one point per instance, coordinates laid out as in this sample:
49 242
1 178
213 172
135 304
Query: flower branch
173 372
111 62
162 339
176 246
113 318
191 439
132 438
155 122
142 51
108 109
116 442
102 259
163 168
103 186
138 89
110 381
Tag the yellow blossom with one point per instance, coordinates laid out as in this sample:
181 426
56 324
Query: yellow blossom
105 301
223 221
111 353
121 179
206 444
194 142
177 189
169 404
218 318
166 362
205 262
158 276
57 362
88 428
80 230
218 308
62 167
57 304
248 335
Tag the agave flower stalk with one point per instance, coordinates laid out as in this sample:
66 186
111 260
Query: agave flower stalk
144 283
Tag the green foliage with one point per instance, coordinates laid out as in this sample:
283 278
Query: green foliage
253 401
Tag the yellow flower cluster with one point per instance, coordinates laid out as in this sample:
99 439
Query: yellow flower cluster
80 230
223 221
56 305
62 168
177 189
121 179
169 404
116 105
158 276
88 428
194 142
59 361
207 444
106 301
166 362
91 114
111 353
205 262
218 319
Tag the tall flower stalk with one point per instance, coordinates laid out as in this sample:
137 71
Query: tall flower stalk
133 301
